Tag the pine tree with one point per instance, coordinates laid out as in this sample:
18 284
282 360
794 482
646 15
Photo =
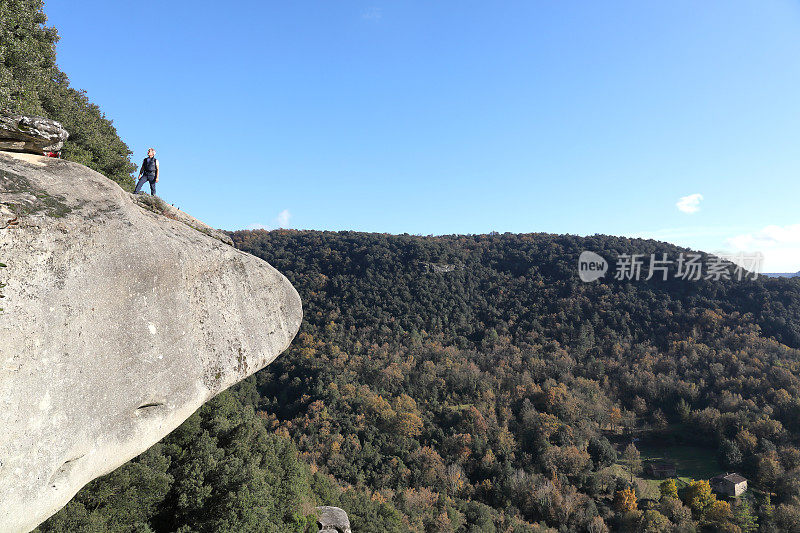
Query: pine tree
743 516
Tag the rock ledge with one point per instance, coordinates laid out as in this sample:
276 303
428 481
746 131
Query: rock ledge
30 134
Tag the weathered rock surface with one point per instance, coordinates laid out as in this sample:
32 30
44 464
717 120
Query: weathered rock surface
333 520
118 323
155 204
30 134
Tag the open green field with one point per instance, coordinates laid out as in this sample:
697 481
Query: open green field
645 488
690 461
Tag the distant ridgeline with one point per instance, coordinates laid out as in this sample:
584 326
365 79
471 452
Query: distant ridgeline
32 84
524 286
783 274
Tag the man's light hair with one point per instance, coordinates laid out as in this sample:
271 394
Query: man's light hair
153 149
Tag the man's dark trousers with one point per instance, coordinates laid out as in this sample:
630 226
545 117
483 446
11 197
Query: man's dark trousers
151 179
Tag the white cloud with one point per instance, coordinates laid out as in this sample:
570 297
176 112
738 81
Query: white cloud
779 244
283 218
768 237
689 204
280 221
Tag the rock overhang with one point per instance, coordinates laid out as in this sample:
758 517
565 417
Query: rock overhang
118 323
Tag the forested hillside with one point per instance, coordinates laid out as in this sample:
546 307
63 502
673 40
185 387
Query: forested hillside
31 83
468 376
474 383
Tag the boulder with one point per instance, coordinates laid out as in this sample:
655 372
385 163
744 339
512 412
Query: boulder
25 133
118 322
333 520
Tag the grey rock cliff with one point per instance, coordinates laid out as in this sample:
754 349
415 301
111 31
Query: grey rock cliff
30 134
118 323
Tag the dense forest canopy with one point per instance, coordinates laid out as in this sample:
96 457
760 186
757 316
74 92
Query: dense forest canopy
31 83
474 383
504 375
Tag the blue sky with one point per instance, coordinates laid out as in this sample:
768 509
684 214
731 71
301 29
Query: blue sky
460 116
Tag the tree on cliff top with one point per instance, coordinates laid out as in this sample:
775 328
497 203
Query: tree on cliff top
31 83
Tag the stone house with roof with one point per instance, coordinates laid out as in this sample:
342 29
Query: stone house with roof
729 484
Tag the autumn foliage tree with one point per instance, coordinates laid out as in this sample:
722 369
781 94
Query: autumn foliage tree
625 500
668 489
698 496
633 459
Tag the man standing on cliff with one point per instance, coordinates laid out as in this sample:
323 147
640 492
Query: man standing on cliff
149 172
